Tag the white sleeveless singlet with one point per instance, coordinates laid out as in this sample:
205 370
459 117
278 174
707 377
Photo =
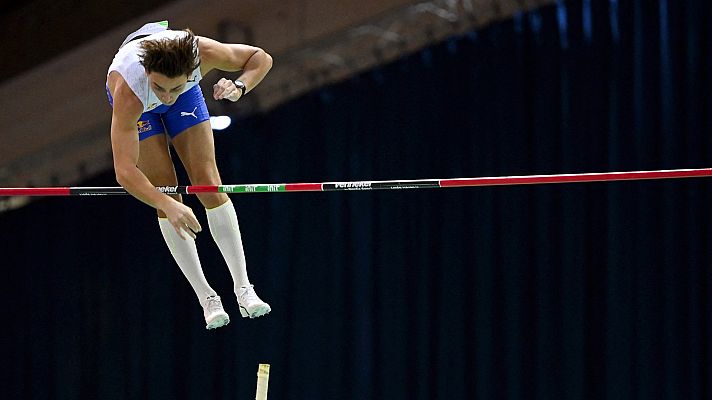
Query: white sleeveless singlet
127 63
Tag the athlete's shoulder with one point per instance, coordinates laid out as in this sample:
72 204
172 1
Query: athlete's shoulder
217 55
125 100
207 45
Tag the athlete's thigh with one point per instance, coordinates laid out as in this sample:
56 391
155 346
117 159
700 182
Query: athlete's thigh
196 148
155 162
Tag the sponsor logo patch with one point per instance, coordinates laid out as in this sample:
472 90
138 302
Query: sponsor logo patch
192 114
353 185
143 126
168 189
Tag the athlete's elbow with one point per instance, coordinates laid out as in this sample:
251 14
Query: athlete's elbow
266 59
123 175
120 178
269 60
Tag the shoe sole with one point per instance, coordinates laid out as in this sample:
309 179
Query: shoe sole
257 312
217 322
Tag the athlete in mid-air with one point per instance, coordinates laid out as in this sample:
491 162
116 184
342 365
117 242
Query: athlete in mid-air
152 85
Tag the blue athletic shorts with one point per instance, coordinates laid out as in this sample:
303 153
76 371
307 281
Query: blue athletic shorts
189 110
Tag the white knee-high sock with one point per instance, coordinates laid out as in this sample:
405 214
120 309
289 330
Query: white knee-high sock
186 255
222 221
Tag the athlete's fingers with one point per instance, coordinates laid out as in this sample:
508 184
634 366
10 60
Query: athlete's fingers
220 88
179 231
187 224
224 94
192 223
189 231
182 228
230 95
217 91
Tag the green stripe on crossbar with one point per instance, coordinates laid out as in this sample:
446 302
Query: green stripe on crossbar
251 188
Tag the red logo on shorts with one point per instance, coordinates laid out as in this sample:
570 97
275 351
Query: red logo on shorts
143 126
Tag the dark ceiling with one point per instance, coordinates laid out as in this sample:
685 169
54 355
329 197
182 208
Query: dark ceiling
39 30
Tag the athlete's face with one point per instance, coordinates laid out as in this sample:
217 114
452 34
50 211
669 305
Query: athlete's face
166 89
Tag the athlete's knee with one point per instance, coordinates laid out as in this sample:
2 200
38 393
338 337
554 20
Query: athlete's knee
205 173
212 200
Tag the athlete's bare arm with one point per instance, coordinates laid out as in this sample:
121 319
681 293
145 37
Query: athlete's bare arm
125 147
252 61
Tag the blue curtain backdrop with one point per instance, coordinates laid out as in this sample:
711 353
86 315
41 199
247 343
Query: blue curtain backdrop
542 292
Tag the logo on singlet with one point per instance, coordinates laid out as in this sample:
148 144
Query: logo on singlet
143 126
185 114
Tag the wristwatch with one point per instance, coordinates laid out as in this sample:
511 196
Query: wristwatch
240 85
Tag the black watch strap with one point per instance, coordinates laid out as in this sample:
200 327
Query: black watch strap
240 85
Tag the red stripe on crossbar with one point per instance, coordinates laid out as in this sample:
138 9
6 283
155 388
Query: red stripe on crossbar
303 187
57 191
572 178
203 189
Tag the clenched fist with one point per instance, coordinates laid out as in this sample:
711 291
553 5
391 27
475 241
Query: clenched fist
227 89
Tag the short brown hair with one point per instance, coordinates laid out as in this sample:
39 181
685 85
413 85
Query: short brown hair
171 57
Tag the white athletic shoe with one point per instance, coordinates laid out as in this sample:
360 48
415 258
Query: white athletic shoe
250 304
215 316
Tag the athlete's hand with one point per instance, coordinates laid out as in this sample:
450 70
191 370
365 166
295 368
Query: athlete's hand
182 218
226 89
